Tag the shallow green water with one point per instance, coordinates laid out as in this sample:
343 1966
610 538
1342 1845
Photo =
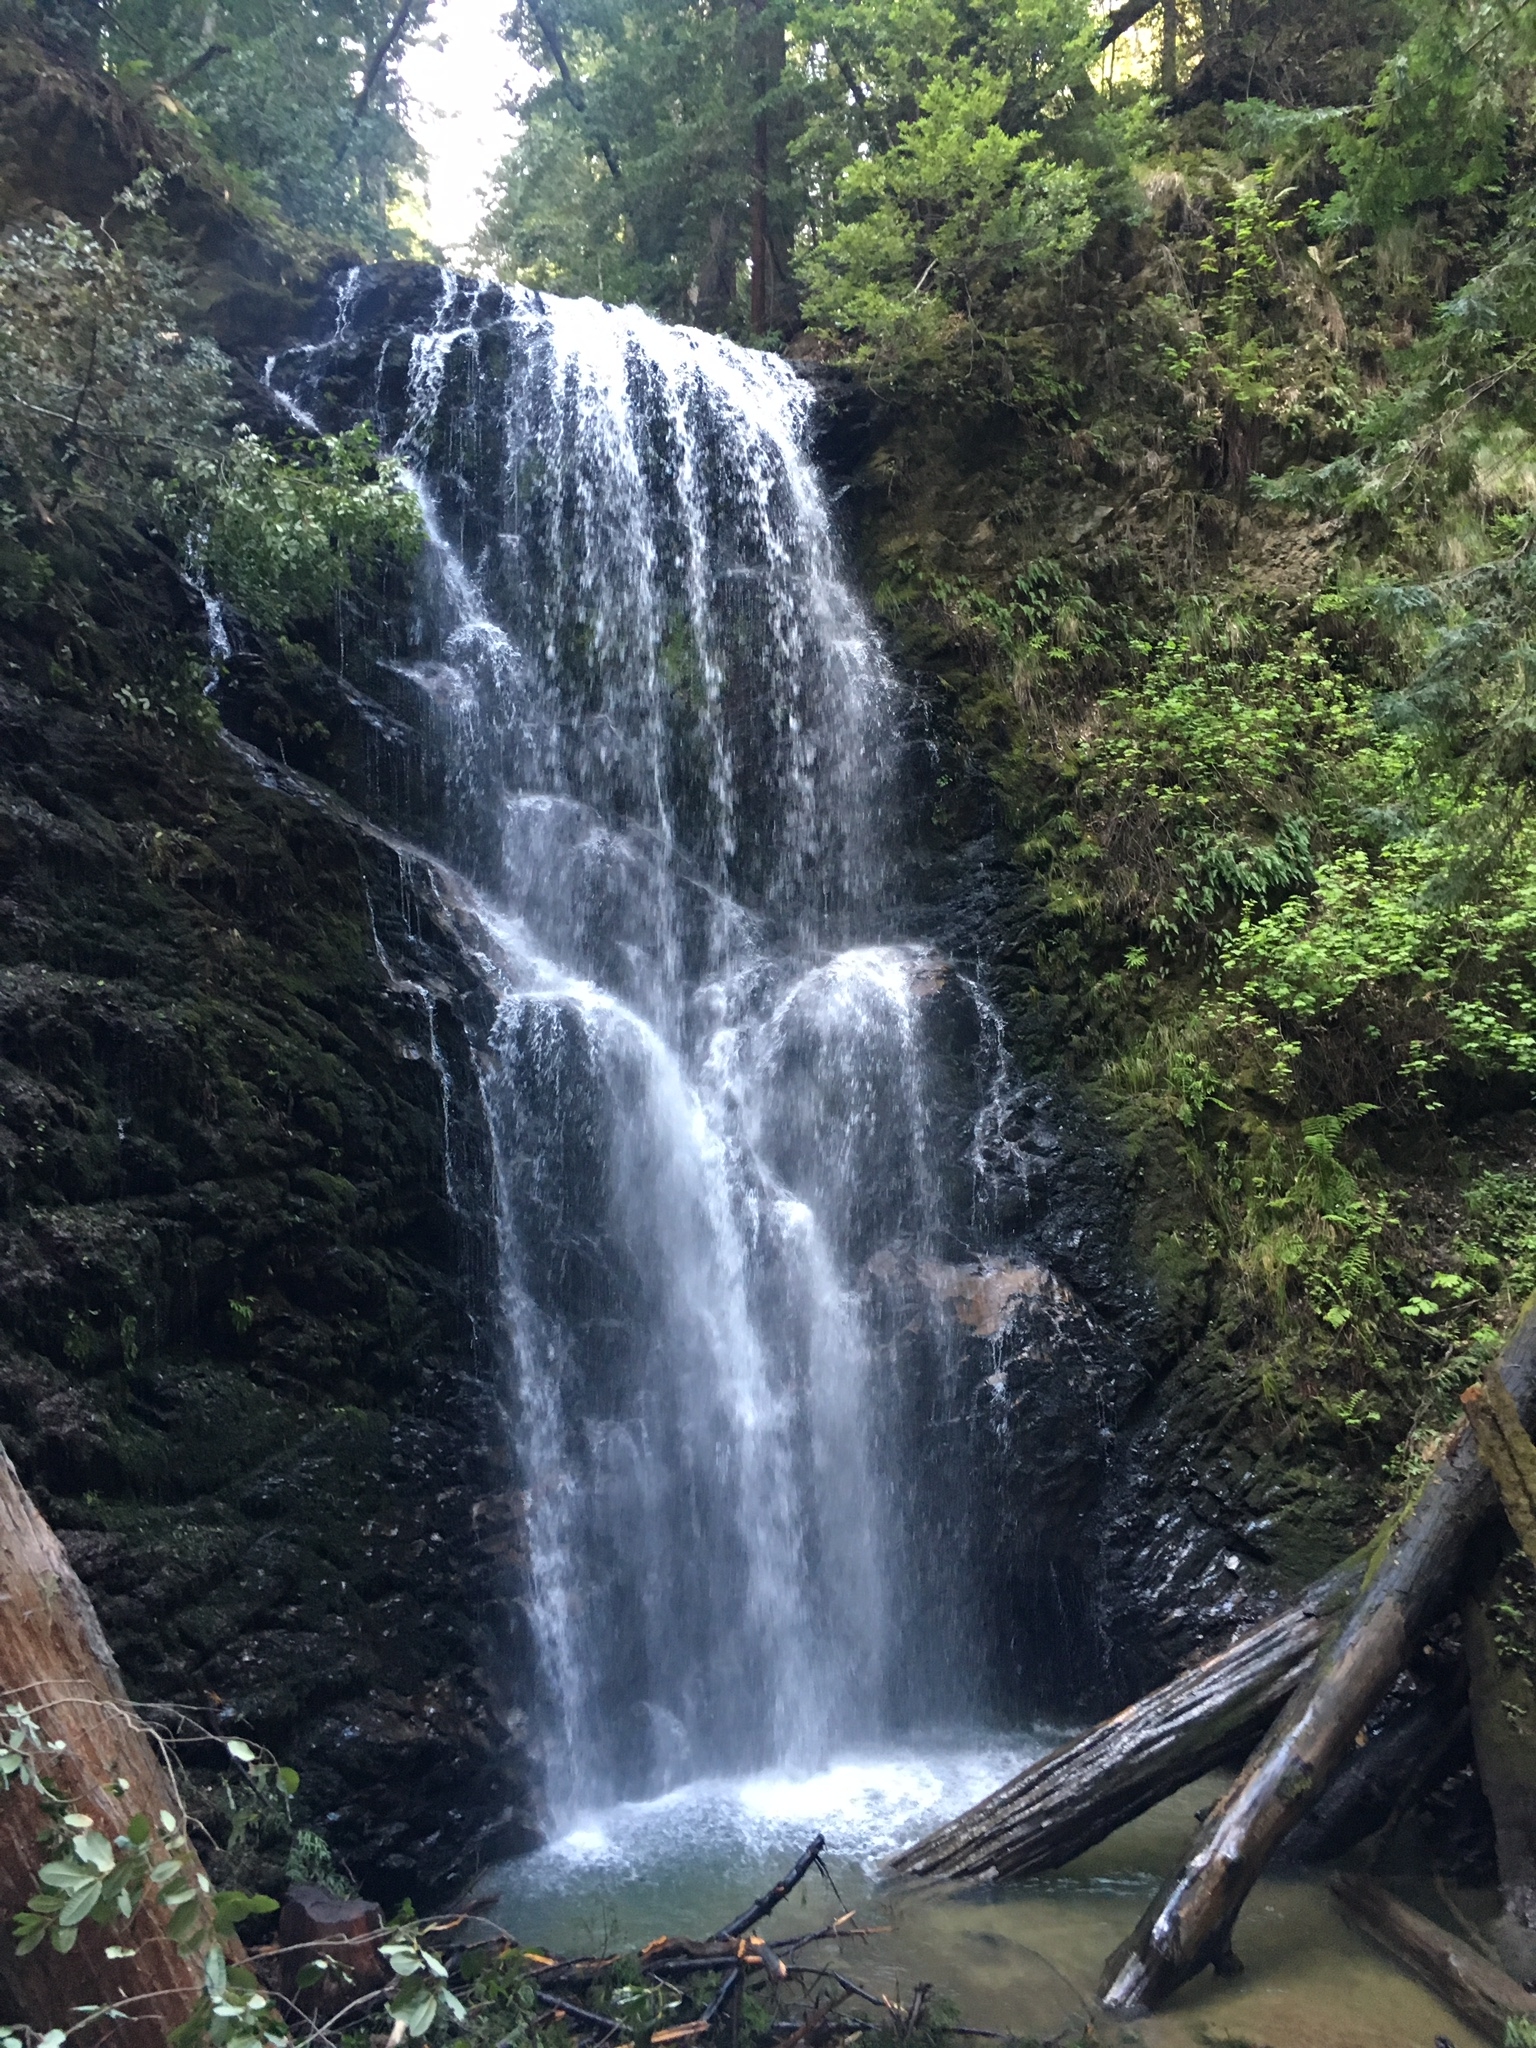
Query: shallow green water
1022 1959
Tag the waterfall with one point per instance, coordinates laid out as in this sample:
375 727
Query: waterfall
716 1079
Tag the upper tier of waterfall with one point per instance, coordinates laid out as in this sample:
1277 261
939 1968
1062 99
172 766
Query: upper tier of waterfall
742 1112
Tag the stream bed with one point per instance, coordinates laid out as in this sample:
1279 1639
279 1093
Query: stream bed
1021 1959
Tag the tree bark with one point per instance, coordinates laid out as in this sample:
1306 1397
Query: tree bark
55 1662
1056 1808
1471 1985
1495 1630
767 39
1507 1451
1411 1583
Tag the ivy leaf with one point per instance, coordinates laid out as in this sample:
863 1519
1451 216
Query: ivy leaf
186 1923
215 1972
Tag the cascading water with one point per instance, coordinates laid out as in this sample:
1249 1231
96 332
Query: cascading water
721 1081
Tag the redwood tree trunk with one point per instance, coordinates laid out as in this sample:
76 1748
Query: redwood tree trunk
54 1661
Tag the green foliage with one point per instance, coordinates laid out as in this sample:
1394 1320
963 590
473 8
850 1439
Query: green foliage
633 177
84 1877
309 1861
282 539
501 1996
1210 783
942 238
272 92
1438 123
102 389
107 404
912 186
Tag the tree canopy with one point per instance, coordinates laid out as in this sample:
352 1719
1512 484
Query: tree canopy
301 100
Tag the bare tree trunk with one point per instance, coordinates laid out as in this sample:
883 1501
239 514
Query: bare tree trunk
1170 53
1060 1806
54 1661
767 75
1412 1582
761 259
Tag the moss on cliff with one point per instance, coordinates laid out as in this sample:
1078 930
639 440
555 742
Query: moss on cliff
239 1367
1161 695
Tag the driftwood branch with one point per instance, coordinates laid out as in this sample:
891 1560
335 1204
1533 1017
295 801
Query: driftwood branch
776 1895
1067 1801
1411 1583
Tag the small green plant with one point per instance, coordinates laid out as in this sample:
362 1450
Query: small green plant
84 1877
310 1861
283 536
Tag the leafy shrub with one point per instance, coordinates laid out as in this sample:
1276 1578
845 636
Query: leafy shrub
102 388
281 539
1208 786
943 234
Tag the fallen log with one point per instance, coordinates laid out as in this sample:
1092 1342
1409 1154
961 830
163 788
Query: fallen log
1067 1801
55 1665
1503 1701
1506 1449
1410 1583
1381 1779
1472 1986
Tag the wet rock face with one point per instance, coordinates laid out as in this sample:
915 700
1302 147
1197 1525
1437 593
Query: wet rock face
239 1366
1014 1372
